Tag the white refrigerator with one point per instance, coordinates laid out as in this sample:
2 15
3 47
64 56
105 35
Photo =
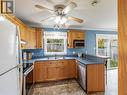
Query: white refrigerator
10 59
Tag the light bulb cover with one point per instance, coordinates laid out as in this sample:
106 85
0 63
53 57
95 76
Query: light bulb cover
60 20
2 18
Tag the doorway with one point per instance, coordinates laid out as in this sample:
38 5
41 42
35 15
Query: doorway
107 45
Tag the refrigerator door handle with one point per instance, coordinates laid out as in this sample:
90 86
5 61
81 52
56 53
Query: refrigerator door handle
18 66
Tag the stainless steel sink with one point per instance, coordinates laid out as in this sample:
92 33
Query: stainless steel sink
55 58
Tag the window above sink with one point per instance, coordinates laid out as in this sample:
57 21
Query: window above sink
55 43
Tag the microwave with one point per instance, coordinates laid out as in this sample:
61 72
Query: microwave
78 43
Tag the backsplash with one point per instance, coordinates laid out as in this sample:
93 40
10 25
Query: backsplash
39 53
36 53
72 51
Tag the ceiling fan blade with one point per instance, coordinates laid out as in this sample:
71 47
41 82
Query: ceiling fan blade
46 18
69 7
76 19
42 7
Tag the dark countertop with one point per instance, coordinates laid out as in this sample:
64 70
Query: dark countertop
82 60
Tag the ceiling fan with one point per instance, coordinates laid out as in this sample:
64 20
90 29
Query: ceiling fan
60 13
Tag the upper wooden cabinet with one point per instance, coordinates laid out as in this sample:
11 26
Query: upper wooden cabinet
29 36
75 35
23 35
22 32
39 38
32 36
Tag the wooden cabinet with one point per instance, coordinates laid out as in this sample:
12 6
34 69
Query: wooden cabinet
95 78
39 68
23 36
27 34
69 40
32 38
75 35
51 73
72 69
64 69
55 70
39 38
22 32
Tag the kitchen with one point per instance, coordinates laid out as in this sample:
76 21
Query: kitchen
56 56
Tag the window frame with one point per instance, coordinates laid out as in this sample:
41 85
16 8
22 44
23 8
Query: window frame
55 35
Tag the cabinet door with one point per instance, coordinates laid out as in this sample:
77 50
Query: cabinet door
95 77
22 32
80 35
51 73
32 39
40 71
27 38
29 35
69 38
56 70
23 36
39 38
72 69
75 35
63 69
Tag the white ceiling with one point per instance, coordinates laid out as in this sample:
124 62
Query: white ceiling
102 16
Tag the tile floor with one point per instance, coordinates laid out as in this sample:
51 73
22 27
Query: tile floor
71 87
112 82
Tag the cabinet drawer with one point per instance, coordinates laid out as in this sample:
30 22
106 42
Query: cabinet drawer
57 63
52 63
43 62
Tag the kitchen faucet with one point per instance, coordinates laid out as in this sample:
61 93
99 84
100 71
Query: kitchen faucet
55 56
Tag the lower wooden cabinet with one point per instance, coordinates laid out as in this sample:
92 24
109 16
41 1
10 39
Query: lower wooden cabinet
39 70
64 69
55 70
95 78
72 66
51 73
62 72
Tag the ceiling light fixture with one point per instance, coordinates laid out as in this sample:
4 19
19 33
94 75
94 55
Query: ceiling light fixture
94 2
60 20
